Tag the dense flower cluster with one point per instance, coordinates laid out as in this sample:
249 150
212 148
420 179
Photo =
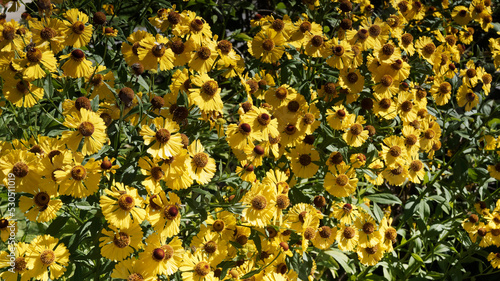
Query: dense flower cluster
145 157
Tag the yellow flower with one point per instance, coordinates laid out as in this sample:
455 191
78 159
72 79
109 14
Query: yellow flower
338 118
260 204
130 269
35 58
341 182
165 216
194 26
396 174
77 65
426 49
160 257
45 254
221 222
211 245
78 34
122 206
206 95
461 15
49 31
154 52
467 97
196 267
347 238
40 206
344 212
166 142
297 216
204 57
302 160
22 93
268 46
355 135
201 166
324 238
90 128
131 52
339 53
352 80
494 259
24 165
370 255
20 268
13 36
119 243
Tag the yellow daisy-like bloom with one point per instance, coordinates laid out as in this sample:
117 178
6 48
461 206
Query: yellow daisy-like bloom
206 95
194 26
260 119
183 51
470 75
494 259
40 206
20 268
241 135
393 150
90 128
370 255
441 91
396 174
324 238
352 79
35 58
201 166
494 171
338 118
77 65
118 244
166 18
314 45
25 167
166 142
211 245
154 172
268 46
165 216
100 82
131 52
347 238
426 49
22 93
196 267
160 257
132 269
49 31
346 213
45 254
298 214
387 53
223 223
7 225
339 53
260 204
431 135
467 97
389 234
204 57
355 135
154 52
385 86
280 96
78 34
385 108
175 176
122 206
12 37
302 160
461 15
341 182
76 179
406 43
416 171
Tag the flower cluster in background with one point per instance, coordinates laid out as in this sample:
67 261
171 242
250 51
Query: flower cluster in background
323 140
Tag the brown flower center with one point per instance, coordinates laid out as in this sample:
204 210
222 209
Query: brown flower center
196 25
47 257
395 151
444 88
278 25
42 199
264 119
487 79
200 160
356 129
177 47
317 41
158 254
245 129
259 202
429 48
473 218
363 34
135 47
121 240
157 173
23 87
411 140
173 17
386 80
268 45
282 201
388 49
482 232
375 30
34 55
368 228
471 73
391 234
259 150
349 232
325 232
406 106
209 88
20 264
78 27
342 180
126 202
293 106
4 223
371 250
218 225
135 277
397 171
308 119
309 233
352 77
470 96
162 135
305 27
225 46
210 247
78 173
204 53
202 268
397 65
416 165
281 93
20 169
385 104
171 212
158 50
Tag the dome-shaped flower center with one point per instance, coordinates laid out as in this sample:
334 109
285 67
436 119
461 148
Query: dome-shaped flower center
391 234
386 80
470 97
47 257
363 34
135 48
78 27
34 55
157 102
42 199
330 88
416 165
385 103
77 55
407 106
325 232
209 88
259 202
429 48
388 49
4 223
23 87
177 47
20 264
293 106
157 173
356 129
259 150
281 93
97 80
342 180
242 239
158 254
338 50
78 173
346 24
473 218
411 140
171 212
444 88
200 160
319 201
126 202
368 228
83 102
245 129
347 208
86 129
309 233
305 159
305 27
135 277
152 204
268 45
487 78
397 171
349 232
497 167
336 158
395 151
264 119
168 252
375 30
471 73
371 250
225 46
218 225
317 41
271 232
8 33
210 247
204 53
482 232
278 25
197 24
158 50
20 169
308 119
162 135
407 39
282 201
173 17
202 268
121 240
397 65
352 77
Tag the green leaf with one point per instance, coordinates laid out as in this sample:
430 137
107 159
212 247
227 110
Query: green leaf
417 258
384 198
341 258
